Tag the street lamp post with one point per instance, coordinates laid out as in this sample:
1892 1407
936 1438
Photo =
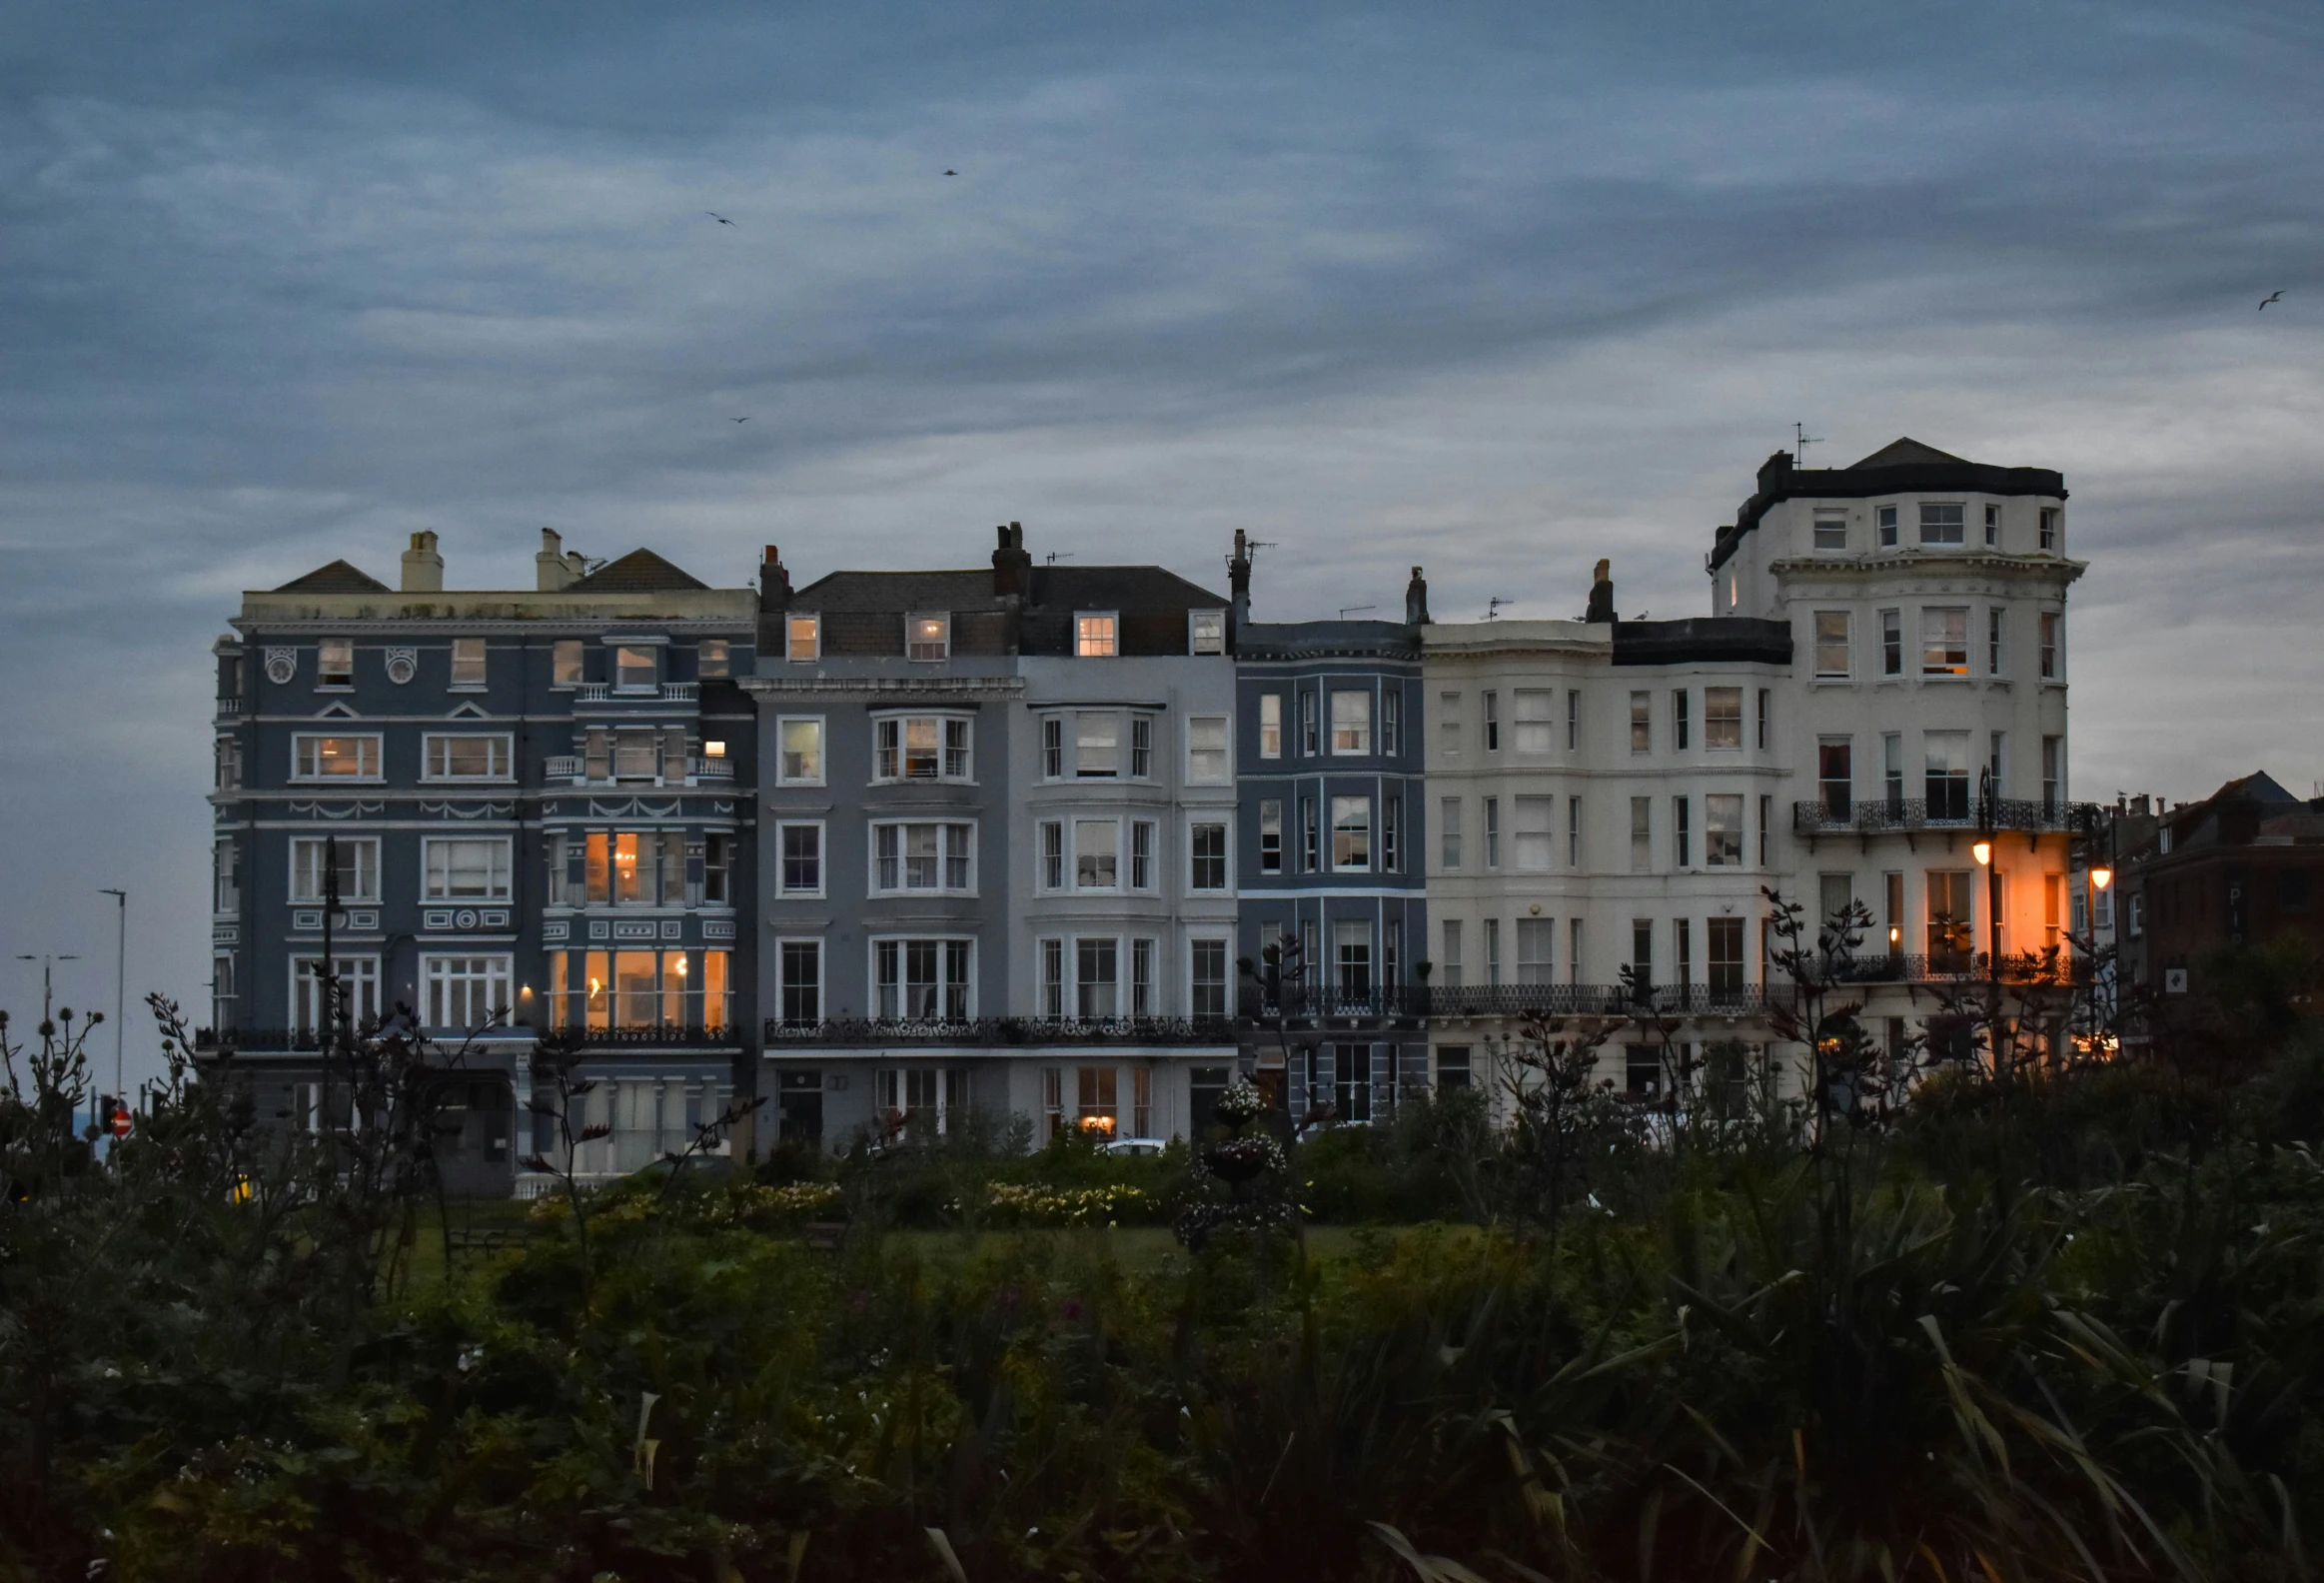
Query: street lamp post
120 987
1987 853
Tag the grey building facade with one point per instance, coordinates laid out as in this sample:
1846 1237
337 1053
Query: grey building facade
997 807
1332 919
533 811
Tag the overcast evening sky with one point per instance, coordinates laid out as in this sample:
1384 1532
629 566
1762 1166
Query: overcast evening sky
1495 288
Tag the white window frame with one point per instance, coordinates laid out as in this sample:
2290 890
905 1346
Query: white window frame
1530 736
1072 767
1940 612
505 742
368 897
636 688
1270 725
945 857
1225 751
1742 830
945 720
1847 645
373 777
1086 638
783 888
1226 945
1710 746
822 750
559 650
499 969
1370 829
338 681
362 970
1144 865
1206 632
812 621
899 938
1546 805
1361 729
504 870
1051 845
1226 828
1960 526
1074 885
483 664
713 659
943 643
1887 520
1817 525
822 968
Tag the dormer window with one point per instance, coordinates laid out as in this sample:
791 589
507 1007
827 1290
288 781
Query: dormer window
335 663
1094 635
636 669
803 637
928 636
1206 632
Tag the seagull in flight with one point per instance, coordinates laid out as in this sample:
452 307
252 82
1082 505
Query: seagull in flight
745 418
952 173
721 218
2264 301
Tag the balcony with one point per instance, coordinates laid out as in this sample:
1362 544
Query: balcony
229 706
1318 1007
562 767
712 769
1001 1032
2020 970
660 1036
1846 816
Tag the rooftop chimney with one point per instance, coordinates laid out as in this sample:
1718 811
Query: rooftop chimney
550 570
1601 594
773 579
1010 562
423 567
1239 577
1416 600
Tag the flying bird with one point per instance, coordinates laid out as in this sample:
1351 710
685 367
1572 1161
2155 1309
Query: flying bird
721 218
745 418
952 173
2264 301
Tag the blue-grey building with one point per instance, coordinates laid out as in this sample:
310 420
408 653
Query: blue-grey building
998 810
533 809
1331 916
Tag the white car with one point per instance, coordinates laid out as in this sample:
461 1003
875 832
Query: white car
1133 1145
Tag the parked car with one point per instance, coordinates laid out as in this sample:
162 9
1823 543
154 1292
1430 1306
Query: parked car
1133 1145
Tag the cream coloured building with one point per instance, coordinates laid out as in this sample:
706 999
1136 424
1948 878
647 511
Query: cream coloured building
1886 646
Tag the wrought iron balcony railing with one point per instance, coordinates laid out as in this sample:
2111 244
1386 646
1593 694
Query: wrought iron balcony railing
1839 816
269 1041
1001 1031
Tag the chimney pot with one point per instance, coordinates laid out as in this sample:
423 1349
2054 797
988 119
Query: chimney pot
423 567
548 569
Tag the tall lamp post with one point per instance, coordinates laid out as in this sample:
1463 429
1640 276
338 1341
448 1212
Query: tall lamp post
120 987
1984 850
2101 875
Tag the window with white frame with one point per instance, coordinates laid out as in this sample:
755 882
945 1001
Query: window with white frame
1141 746
1832 643
1536 939
315 757
1392 834
1206 750
799 860
1941 522
1449 972
1993 628
335 663
1097 853
1492 722
1052 854
1351 835
1095 635
636 667
1993 526
1944 640
713 657
917 855
464 868
1270 725
463 992
1641 723
1310 731
1723 830
1206 854
468 662
1723 717
922 980
1206 961
799 982
1310 838
1449 834
2052 518
1351 721
357 858
1142 855
1885 517
2052 633
1392 717
1271 835
565 663
1535 714
928 636
803 637
1097 745
1535 830
1052 979
920 747
1641 834
465 756
1892 642
229 763
1492 826
355 993
719 848
1573 833
1097 977
1206 632
1832 530
224 885
1449 725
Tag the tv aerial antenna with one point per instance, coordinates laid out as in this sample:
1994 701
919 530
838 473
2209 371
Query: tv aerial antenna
1056 556
1346 611
1801 440
1492 608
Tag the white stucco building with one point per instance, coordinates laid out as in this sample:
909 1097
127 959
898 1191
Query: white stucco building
1610 794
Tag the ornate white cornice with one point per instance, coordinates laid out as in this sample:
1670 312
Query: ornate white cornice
877 687
1921 565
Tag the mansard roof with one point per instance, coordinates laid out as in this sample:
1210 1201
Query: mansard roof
639 571
1903 467
337 578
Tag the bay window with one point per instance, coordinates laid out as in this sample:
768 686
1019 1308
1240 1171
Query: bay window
921 979
920 747
1351 721
922 857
